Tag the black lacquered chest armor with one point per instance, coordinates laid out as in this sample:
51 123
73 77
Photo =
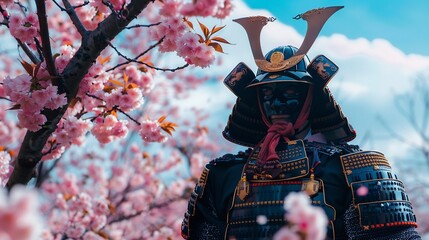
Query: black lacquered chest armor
268 187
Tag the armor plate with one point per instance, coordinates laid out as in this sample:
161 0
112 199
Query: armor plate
378 195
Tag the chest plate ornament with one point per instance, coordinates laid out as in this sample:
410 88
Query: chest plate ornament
243 188
311 186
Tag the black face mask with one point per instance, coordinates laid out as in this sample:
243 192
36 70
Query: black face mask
282 100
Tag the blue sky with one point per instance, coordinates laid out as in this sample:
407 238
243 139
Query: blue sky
403 23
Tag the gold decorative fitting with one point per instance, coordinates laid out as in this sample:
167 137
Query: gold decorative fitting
276 57
243 188
310 186
365 227
348 172
376 167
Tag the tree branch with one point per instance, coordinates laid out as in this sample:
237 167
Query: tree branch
142 25
96 41
34 59
43 175
137 57
146 64
74 18
44 35
126 114
116 108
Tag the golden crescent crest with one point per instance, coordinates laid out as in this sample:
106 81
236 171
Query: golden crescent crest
315 19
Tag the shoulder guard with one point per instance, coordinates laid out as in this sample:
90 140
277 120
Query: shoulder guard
232 158
378 195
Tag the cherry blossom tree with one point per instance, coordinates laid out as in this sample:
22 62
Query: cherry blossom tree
86 69
124 195
98 76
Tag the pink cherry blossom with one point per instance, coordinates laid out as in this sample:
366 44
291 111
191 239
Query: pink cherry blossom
5 167
19 215
150 131
286 234
105 129
304 218
31 121
200 8
170 8
225 10
362 191
198 161
261 219
296 200
5 3
24 28
121 194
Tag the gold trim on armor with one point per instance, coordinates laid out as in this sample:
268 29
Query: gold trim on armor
203 180
194 197
362 159
324 198
333 229
233 199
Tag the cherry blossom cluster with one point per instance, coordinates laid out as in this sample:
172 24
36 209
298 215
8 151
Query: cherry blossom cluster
72 131
205 8
151 131
109 128
10 133
5 167
32 99
96 11
198 161
178 37
19 214
144 80
304 219
25 28
123 199
193 51
126 100
5 3
101 93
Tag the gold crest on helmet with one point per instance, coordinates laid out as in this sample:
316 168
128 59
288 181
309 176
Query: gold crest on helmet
276 57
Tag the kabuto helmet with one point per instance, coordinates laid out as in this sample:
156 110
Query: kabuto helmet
247 125
285 94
